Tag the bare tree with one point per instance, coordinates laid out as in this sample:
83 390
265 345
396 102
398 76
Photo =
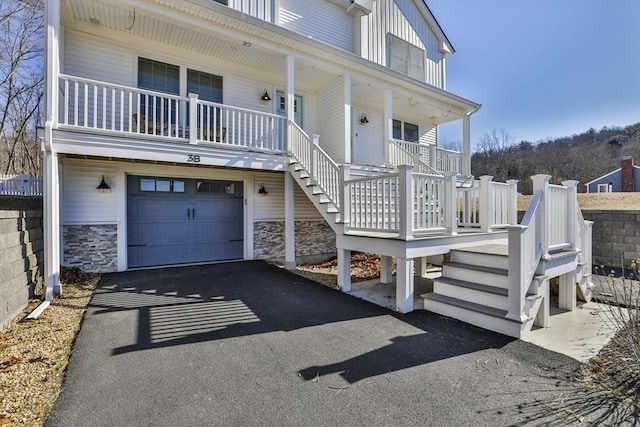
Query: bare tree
21 84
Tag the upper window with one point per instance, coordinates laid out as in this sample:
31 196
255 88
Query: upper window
405 131
207 86
158 76
406 58
604 188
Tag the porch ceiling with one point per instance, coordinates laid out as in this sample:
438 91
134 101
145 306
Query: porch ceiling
113 19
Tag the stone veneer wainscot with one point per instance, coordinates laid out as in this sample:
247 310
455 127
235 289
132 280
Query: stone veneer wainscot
312 237
93 248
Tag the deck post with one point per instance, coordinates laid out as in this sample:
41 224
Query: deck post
344 269
572 210
386 275
486 203
512 212
567 293
289 223
451 204
433 157
193 118
345 195
420 266
517 289
404 285
405 173
541 183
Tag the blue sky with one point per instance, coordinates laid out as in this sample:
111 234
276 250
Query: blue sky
543 68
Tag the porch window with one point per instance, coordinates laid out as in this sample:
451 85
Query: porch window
160 77
405 57
405 131
604 188
209 88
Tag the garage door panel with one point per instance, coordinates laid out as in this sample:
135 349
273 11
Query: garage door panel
199 223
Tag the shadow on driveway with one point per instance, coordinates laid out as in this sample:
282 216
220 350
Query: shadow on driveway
246 343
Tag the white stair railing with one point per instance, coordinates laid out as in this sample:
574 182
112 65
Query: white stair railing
410 153
322 170
447 161
525 252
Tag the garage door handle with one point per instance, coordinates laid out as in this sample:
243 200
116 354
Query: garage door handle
188 213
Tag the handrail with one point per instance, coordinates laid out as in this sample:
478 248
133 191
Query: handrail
122 87
322 169
406 155
525 252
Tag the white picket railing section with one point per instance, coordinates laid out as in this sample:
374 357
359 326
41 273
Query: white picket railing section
100 106
557 213
502 208
373 203
20 185
469 206
429 203
238 127
447 161
261 9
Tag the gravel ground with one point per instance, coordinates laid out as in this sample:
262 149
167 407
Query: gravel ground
34 354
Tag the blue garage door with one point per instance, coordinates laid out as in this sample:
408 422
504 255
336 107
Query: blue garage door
177 221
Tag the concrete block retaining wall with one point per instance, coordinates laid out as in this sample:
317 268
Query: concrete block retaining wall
616 236
21 253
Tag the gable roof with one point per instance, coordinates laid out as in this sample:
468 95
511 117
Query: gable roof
435 25
609 174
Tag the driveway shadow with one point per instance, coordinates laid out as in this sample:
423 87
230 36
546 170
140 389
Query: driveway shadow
186 305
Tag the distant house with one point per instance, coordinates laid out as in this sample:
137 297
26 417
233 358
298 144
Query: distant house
624 179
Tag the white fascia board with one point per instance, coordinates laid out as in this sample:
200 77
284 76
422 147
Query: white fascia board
603 176
447 48
288 42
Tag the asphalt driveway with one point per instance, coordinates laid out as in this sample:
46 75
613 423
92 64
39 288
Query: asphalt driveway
247 343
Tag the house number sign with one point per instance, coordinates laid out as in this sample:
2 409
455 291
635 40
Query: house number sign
193 158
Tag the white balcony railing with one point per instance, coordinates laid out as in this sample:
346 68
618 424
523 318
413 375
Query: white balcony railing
105 107
447 161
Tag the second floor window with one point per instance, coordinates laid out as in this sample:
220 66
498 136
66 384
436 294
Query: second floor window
158 76
405 57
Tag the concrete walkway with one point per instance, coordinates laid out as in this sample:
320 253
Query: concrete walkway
247 343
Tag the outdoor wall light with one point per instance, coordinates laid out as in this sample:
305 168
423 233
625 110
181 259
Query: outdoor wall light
363 118
262 191
265 96
103 187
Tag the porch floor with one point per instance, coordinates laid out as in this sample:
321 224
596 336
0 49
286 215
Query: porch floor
579 334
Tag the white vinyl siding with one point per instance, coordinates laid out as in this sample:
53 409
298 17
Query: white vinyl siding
262 9
271 206
92 58
319 20
331 125
81 202
404 20
430 137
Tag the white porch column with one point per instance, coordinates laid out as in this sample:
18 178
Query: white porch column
486 203
347 115
466 145
387 126
51 188
289 224
344 269
289 96
51 204
404 285
386 275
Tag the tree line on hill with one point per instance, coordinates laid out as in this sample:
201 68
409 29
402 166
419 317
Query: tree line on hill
582 157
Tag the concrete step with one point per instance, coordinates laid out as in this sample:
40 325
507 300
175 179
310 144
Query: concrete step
490 318
490 296
483 275
491 255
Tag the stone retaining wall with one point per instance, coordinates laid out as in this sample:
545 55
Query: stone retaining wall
616 236
92 248
21 253
314 240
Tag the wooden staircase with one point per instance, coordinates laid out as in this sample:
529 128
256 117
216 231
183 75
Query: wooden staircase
474 288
